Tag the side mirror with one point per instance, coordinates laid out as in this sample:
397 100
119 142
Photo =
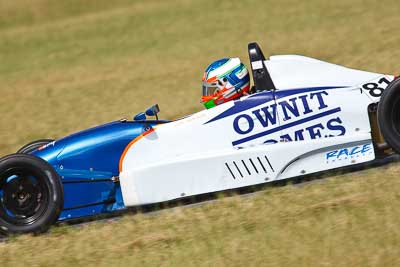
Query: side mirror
140 117
153 111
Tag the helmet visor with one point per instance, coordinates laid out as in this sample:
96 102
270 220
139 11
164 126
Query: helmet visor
209 89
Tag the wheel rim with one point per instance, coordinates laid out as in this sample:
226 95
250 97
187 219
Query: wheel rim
24 196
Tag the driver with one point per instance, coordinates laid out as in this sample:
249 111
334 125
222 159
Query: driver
224 80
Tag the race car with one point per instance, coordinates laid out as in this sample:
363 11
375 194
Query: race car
303 116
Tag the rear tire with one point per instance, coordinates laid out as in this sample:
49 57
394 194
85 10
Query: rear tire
31 194
389 115
32 146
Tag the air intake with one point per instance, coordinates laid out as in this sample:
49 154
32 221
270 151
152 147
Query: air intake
247 167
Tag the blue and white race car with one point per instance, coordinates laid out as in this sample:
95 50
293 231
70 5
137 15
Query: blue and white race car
305 116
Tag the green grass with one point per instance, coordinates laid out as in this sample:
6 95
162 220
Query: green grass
71 65
68 65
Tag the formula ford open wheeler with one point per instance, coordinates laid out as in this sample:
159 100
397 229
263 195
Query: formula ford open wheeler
305 116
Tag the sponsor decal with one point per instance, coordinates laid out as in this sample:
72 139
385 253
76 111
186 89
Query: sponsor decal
293 112
251 101
349 153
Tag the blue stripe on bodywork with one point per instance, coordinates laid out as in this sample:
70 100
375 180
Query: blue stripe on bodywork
244 105
286 126
264 97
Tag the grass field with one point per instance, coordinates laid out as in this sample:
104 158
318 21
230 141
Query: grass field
68 65
350 220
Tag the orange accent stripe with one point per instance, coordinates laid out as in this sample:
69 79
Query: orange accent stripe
212 79
206 98
126 150
131 143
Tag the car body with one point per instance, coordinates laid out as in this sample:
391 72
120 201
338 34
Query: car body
305 116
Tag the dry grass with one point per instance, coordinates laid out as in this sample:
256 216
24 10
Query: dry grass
68 65
349 220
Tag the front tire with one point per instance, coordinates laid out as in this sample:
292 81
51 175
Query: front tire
389 115
32 146
31 194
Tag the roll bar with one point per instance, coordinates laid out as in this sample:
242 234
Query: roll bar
262 78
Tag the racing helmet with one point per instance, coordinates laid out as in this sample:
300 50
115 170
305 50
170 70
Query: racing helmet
224 80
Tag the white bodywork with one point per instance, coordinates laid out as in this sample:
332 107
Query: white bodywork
316 120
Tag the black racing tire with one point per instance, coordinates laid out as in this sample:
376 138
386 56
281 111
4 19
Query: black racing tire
31 194
32 146
389 115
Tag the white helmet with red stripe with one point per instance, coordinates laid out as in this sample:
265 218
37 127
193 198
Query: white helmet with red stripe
224 80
